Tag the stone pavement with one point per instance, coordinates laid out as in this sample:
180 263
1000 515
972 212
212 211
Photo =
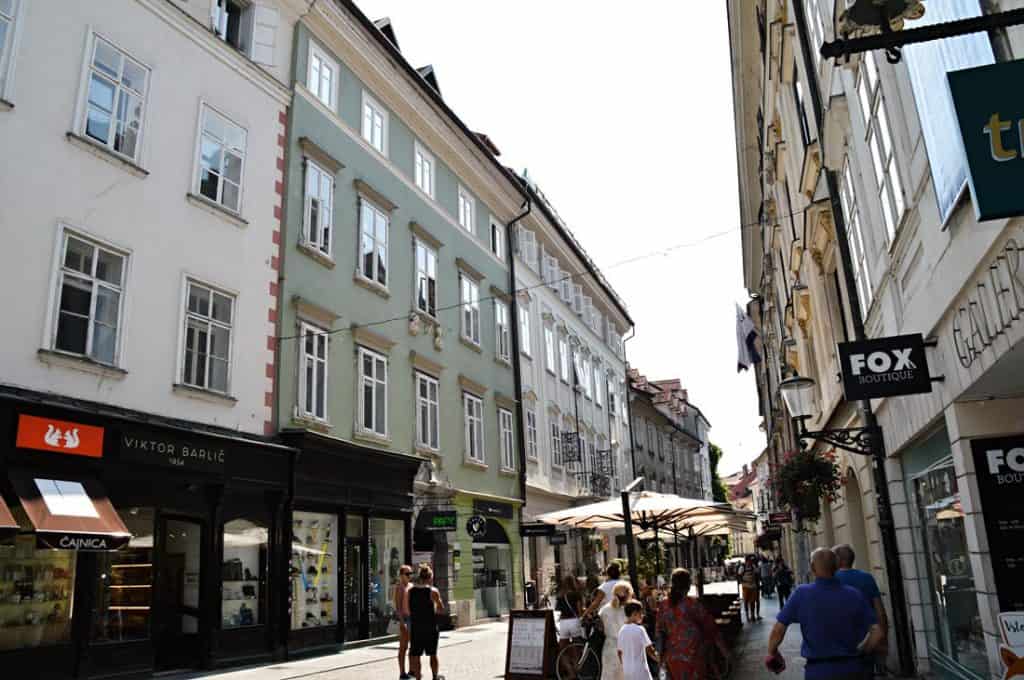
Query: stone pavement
751 648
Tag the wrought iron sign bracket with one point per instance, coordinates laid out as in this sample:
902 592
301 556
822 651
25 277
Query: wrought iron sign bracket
858 440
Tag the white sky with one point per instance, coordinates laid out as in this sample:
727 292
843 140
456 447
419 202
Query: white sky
624 119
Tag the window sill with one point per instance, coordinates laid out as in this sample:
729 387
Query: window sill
508 472
77 362
426 318
371 437
551 373
533 459
371 286
6 105
314 253
527 355
104 154
470 344
203 203
469 462
203 395
310 423
427 452
501 361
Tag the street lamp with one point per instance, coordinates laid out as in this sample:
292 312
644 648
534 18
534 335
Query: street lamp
798 396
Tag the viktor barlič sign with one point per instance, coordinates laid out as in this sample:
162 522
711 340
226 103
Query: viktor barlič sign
884 367
990 109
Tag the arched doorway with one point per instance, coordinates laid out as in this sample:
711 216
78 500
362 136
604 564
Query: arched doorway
855 520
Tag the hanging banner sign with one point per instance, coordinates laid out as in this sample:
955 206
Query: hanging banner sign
884 367
999 464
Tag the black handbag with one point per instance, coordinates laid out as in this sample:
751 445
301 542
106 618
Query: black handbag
232 570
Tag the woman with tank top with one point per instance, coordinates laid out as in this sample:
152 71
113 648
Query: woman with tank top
425 604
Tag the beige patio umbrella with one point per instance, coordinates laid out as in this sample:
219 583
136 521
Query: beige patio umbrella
648 510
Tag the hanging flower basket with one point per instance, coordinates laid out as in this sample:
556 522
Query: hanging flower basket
804 478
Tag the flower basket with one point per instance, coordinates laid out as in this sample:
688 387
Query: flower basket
804 478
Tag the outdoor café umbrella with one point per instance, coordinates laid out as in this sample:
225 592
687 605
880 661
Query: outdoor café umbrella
648 509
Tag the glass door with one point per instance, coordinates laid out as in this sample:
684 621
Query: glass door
178 579
356 576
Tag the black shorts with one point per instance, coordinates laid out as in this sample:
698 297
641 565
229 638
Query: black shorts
423 641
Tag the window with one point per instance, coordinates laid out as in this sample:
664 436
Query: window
89 289
375 124
498 240
232 23
856 235
221 159
244 585
879 140
8 14
427 413
563 357
549 349
318 218
373 228
816 28
508 451
503 342
424 168
116 95
473 418
531 433
373 393
466 210
588 388
598 399
470 299
313 372
323 76
556 444
426 279
801 114
524 329
611 398
208 322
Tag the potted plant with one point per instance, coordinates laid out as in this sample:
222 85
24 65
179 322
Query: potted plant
804 478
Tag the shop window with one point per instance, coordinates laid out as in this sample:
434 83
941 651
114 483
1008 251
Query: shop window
244 574
387 548
36 590
313 571
125 584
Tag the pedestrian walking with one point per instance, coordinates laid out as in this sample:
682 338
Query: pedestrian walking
603 593
633 644
783 581
686 633
750 586
613 618
868 587
424 606
837 624
400 603
767 587
569 604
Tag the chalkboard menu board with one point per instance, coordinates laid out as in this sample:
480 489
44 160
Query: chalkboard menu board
532 645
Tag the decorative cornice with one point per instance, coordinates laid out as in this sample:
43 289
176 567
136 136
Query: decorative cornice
422 363
308 309
422 234
374 196
367 338
317 153
501 295
504 401
468 269
472 386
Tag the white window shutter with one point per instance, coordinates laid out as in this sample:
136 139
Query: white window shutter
588 310
264 31
218 18
554 272
566 287
577 298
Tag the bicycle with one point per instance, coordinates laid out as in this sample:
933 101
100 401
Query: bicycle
579 660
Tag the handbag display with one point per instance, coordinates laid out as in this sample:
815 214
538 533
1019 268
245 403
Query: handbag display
232 570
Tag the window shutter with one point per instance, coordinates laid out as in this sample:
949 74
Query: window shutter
587 310
577 298
553 273
566 281
218 19
264 31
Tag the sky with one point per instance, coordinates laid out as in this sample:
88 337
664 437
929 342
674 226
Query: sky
624 120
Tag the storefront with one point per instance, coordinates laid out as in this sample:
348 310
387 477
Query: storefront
350 526
142 544
488 580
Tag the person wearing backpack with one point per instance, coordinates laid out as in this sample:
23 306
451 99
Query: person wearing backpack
783 580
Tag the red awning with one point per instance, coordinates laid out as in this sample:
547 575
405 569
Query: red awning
70 514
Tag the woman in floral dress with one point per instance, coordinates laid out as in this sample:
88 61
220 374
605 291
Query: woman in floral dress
687 630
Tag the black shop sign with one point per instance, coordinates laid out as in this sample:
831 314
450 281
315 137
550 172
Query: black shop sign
492 508
884 367
536 529
170 450
999 464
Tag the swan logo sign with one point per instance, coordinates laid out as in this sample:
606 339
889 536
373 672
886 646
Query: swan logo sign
884 367
59 436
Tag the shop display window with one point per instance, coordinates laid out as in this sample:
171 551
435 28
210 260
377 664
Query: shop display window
36 592
951 588
387 541
313 571
124 596
244 573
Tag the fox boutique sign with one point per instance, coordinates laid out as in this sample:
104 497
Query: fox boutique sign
884 367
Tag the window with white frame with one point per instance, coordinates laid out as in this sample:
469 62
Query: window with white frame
549 349
598 385
469 297
531 433
587 383
502 331
373 392
373 248
232 21
426 278
610 384
556 444
816 28
563 357
323 76
90 288
524 329
427 412
508 450
848 197
208 321
423 163
467 208
221 160
473 421
375 124
116 95
313 372
318 217
8 17
880 143
498 240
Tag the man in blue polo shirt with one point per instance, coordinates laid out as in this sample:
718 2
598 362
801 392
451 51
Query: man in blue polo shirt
868 587
838 625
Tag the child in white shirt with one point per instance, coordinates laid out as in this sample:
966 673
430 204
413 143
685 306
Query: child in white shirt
634 644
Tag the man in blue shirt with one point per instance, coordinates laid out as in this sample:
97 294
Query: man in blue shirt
837 624
865 583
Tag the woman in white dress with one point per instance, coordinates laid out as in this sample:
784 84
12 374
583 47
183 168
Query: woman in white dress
613 618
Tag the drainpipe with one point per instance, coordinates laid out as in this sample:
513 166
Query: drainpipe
629 408
887 528
517 374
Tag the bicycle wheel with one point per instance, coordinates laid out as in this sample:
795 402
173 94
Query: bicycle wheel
589 667
577 662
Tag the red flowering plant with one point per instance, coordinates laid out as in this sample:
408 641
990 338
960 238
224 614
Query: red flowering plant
803 479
